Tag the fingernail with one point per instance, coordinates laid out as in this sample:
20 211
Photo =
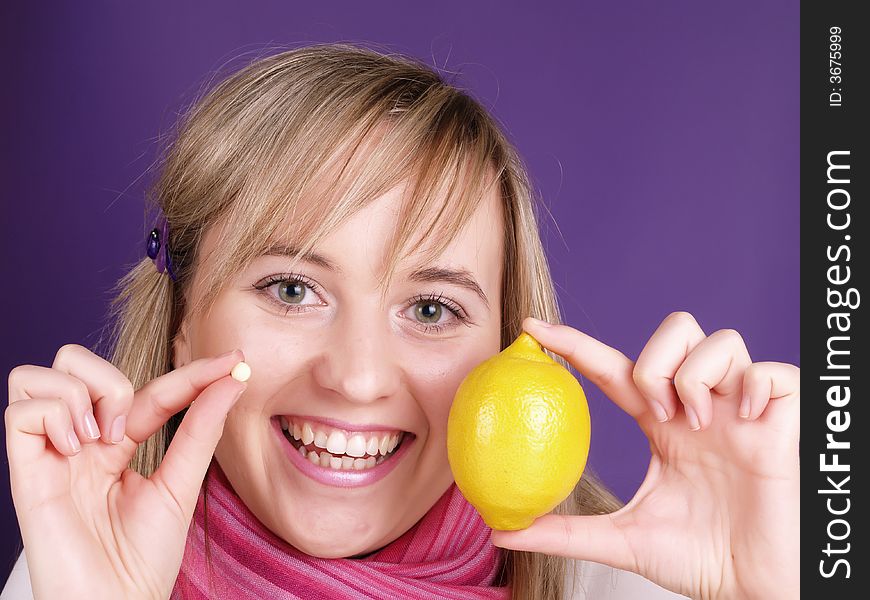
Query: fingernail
224 355
91 427
692 416
744 407
540 323
73 440
117 431
660 412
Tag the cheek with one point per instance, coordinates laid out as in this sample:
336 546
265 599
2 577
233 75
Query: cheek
272 348
440 383
222 330
247 428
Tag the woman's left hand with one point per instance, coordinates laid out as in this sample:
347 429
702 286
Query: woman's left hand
718 514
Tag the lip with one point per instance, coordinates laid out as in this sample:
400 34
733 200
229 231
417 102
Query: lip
348 427
336 477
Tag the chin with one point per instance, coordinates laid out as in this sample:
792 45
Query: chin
331 538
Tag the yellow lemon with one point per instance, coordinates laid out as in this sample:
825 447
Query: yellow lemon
518 435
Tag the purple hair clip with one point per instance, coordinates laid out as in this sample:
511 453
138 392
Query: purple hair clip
157 246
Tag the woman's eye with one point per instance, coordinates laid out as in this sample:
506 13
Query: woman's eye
289 292
430 311
292 292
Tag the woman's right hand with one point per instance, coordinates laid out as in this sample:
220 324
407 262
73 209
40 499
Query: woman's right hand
92 527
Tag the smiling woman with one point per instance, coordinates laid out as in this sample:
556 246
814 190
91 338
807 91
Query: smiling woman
366 234
342 361
361 234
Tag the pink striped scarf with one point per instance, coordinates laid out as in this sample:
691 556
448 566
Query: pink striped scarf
447 554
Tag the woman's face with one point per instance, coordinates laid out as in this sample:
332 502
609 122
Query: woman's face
351 372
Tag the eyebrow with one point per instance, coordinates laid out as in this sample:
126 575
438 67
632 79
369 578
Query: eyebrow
460 277
293 251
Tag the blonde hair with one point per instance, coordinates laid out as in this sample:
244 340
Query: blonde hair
282 136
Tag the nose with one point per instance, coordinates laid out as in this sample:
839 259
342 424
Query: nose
357 361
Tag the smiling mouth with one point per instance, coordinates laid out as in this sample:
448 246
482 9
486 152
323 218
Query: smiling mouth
341 461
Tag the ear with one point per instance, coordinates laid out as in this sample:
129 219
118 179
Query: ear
181 347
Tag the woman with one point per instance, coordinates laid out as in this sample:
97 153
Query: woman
362 235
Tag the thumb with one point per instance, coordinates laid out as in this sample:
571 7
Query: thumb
596 538
190 452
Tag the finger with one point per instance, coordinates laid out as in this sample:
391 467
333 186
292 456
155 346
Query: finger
31 381
766 381
156 401
184 466
717 363
29 421
606 367
660 358
595 538
110 391
39 440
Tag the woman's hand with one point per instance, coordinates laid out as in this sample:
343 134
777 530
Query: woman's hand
718 514
92 528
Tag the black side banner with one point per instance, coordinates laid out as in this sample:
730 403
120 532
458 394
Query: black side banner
835 171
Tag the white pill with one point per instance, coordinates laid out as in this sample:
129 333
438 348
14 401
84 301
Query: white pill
241 372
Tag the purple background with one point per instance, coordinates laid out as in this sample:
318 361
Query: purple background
663 136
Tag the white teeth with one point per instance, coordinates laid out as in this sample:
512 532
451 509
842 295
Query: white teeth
336 443
368 451
307 434
346 462
356 446
326 460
